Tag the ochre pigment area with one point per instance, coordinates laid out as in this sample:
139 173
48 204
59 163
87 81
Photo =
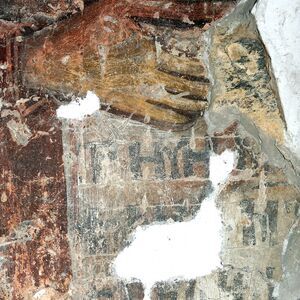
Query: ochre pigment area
129 54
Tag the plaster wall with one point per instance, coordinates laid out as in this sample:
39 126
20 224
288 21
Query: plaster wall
278 23
122 175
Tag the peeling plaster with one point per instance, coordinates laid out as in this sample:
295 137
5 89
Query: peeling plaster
289 287
278 23
185 250
20 133
39 294
78 109
276 155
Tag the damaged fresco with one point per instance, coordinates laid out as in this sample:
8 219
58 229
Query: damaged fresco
113 114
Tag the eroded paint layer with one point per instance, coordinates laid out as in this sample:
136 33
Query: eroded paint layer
183 250
145 59
243 79
122 174
34 248
141 58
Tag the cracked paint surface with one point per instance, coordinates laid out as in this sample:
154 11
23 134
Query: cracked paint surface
178 81
184 250
119 183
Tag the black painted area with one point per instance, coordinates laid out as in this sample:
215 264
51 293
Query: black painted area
247 207
137 160
199 79
190 157
232 282
173 23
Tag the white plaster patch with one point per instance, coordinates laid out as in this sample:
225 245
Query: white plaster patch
184 250
46 294
287 238
40 294
79 108
65 59
19 131
279 23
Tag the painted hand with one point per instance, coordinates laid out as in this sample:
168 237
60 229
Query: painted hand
139 61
